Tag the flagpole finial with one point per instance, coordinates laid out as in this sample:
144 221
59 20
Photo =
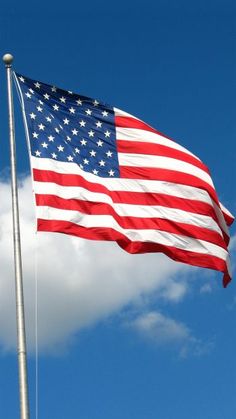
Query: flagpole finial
8 58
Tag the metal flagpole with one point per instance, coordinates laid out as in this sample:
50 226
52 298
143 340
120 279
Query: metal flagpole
21 340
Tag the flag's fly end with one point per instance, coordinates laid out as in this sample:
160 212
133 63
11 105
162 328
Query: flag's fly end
226 280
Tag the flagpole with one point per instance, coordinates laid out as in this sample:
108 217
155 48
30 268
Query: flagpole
21 340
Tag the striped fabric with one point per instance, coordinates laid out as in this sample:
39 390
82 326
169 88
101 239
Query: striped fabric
162 198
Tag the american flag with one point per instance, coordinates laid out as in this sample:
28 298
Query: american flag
103 174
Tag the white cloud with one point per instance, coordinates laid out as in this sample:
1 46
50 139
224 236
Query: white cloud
162 330
79 282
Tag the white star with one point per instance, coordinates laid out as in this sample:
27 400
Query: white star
22 79
99 124
95 172
51 138
70 92
38 153
88 112
74 131
37 85
44 145
49 119
54 155
41 127
91 133
105 113
28 95
35 135
46 96
70 158
63 99
85 161
102 163
77 150
72 110
82 123
111 172
79 102
60 148
32 115
31 91
95 103
41 103
92 153
83 142
107 133
60 126
55 107
81 166
109 153
40 109
66 121
57 130
99 143
53 89
68 138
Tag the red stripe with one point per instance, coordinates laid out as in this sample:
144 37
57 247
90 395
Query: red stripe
151 173
65 179
130 222
171 176
130 122
189 257
137 147
141 198
229 220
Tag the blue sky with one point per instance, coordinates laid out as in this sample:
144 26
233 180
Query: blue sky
119 335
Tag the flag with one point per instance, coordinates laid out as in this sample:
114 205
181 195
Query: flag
103 174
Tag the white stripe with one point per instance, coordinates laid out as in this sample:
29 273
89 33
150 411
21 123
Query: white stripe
150 161
119 112
226 211
153 236
221 219
133 185
121 184
139 135
130 210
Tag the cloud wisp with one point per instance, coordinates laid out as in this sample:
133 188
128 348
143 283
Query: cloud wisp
162 330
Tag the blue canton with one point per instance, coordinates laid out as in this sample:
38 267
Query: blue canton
68 127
